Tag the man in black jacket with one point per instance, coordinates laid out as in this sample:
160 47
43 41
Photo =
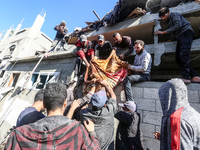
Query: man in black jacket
128 132
184 34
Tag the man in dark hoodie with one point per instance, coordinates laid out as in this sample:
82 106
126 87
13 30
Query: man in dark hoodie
180 127
129 135
55 131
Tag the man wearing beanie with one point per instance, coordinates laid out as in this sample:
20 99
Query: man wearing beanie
102 114
129 135
103 49
84 53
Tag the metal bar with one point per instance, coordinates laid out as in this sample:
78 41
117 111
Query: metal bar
96 15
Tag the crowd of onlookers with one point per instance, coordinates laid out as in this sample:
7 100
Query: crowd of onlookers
88 122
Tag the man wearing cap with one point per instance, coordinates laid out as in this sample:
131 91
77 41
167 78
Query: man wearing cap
141 69
123 42
102 114
103 49
129 135
61 32
84 52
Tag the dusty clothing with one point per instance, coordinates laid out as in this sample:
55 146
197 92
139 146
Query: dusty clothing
103 123
60 35
29 115
129 135
55 132
104 51
177 24
125 43
180 127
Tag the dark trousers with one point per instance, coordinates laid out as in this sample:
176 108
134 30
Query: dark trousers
79 67
133 79
183 47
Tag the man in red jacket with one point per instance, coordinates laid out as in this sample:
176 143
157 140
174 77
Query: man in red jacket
84 53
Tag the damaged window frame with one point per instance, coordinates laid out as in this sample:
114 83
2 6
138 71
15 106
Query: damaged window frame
34 83
9 79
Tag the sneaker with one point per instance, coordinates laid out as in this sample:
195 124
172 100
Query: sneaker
186 81
195 79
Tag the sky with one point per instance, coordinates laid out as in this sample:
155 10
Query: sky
74 12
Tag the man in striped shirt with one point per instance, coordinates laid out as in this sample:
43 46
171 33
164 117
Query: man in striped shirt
55 131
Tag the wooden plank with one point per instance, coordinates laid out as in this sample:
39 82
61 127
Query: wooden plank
72 40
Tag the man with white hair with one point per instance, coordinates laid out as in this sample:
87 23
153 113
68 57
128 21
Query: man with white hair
61 32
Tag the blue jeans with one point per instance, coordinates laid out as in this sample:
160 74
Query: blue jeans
133 79
183 47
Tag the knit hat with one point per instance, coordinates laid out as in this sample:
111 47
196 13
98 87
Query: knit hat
100 37
130 105
83 38
99 98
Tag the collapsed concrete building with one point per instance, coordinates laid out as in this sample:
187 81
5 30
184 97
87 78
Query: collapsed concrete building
18 60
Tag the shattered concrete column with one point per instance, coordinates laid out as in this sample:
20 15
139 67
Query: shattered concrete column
159 49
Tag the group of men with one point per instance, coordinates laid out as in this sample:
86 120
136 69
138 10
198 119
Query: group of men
96 127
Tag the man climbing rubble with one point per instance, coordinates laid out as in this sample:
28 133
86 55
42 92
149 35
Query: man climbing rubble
184 34
60 36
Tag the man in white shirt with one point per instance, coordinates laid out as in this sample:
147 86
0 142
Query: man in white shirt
141 69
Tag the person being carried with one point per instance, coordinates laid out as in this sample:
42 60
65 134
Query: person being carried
184 34
129 135
180 126
141 69
33 113
61 33
103 49
123 42
84 53
102 114
55 131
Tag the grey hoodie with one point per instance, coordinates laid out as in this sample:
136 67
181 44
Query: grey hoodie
173 98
